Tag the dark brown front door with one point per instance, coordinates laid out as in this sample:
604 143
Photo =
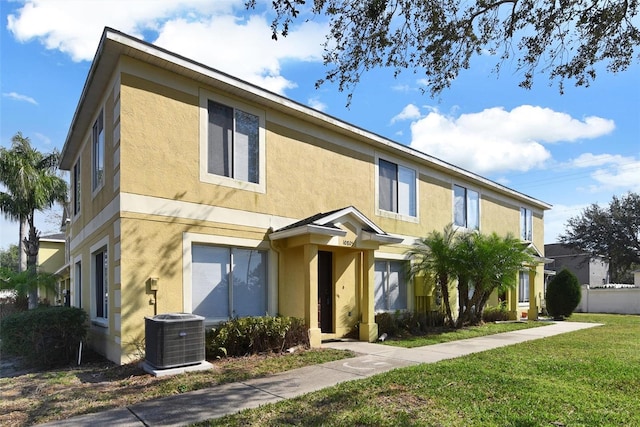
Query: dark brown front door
325 291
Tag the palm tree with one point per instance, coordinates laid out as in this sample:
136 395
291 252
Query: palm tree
31 184
434 256
489 263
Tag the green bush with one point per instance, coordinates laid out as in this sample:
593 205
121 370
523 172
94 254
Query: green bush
387 324
563 294
408 322
46 336
495 314
254 335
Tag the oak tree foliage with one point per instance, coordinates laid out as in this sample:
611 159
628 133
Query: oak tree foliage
566 39
612 232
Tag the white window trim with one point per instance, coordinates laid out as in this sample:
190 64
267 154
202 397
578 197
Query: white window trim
453 207
205 176
76 299
78 184
95 191
388 214
189 239
99 321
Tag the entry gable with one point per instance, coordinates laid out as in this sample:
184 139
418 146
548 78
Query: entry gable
535 253
345 222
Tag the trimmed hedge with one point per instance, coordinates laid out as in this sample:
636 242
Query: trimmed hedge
254 335
46 336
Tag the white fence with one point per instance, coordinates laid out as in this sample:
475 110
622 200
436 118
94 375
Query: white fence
609 300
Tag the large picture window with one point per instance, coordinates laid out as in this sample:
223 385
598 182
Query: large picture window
228 282
390 292
526 224
97 167
466 212
233 143
100 285
396 188
523 287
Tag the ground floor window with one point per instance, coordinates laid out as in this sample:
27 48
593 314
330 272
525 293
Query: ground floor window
390 286
78 284
523 287
100 285
228 282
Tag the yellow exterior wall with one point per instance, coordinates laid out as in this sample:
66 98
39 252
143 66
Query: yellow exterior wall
152 147
50 256
50 260
291 286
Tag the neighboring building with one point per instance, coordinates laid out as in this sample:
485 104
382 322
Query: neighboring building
589 271
51 259
193 191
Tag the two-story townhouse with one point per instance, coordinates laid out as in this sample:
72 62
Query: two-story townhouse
193 191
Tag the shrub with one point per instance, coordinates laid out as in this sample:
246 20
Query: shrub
409 322
563 294
45 337
495 314
387 324
253 335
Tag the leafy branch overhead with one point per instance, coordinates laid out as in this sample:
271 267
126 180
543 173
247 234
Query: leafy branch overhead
567 39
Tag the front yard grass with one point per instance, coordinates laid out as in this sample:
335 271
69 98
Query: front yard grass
585 378
63 393
447 335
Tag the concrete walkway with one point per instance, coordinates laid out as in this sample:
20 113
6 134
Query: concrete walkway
372 359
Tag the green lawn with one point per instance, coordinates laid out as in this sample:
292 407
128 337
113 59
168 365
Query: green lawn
461 334
585 378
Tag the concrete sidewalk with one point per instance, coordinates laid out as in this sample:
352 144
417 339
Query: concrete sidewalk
372 359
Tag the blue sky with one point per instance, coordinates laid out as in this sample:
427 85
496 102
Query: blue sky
568 150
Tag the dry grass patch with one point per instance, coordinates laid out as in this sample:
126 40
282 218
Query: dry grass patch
39 397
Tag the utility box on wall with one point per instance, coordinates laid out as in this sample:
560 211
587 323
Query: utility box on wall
174 340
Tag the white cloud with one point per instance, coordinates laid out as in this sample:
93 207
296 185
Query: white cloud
496 140
243 48
410 112
19 97
317 104
613 171
220 34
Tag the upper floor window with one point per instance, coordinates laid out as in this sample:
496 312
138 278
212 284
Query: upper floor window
466 210
97 137
396 188
233 143
76 188
526 224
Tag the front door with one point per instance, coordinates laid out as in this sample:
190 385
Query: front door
325 291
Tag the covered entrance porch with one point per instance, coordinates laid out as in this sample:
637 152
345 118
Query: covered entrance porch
326 273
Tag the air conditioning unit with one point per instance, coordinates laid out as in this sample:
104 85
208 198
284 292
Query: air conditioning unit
174 339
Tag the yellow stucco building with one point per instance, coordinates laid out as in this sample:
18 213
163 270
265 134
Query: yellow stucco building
193 191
